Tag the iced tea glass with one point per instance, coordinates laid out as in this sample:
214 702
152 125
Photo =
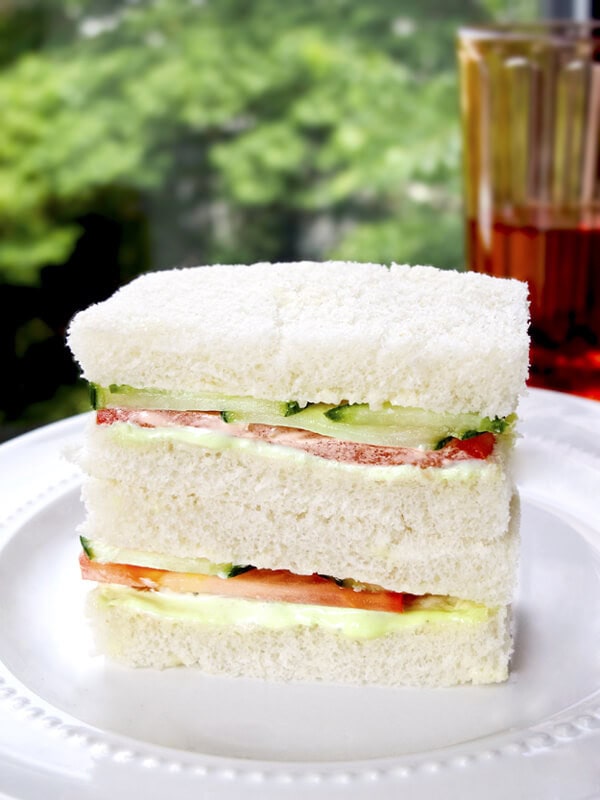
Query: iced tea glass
530 101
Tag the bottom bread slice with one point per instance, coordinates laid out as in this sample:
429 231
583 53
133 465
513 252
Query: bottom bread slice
426 653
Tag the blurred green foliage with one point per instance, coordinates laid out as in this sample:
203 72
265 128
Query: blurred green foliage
218 131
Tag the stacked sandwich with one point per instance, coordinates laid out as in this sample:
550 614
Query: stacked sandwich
301 471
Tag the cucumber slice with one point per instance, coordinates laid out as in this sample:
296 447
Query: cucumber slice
109 554
458 425
87 548
123 396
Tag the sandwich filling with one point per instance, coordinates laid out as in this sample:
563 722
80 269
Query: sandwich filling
479 446
242 595
345 433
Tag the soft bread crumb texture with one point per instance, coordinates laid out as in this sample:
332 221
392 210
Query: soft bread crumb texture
444 531
427 655
315 332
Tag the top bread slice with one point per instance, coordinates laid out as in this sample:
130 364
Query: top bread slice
315 332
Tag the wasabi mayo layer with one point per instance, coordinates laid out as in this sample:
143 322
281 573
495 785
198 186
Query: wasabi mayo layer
350 622
127 434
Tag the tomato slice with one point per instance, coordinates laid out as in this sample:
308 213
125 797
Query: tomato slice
480 446
271 585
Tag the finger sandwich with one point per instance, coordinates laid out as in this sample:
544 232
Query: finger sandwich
301 471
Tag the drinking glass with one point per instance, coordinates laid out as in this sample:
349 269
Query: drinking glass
530 102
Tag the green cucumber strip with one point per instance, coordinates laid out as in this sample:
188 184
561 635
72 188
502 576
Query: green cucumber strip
94 401
97 550
239 569
394 425
459 425
124 396
292 408
87 547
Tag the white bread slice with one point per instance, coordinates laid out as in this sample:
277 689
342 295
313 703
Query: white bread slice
447 341
425 655
444 531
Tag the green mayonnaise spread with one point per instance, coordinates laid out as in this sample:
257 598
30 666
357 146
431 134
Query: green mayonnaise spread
126 434
350 622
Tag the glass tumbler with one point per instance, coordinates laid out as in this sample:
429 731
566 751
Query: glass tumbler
530 103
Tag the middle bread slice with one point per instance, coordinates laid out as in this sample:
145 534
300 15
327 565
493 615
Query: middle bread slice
449 531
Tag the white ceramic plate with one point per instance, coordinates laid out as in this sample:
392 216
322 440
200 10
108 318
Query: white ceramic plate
73 726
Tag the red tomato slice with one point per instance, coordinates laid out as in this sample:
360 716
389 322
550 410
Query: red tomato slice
480 446
270 585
